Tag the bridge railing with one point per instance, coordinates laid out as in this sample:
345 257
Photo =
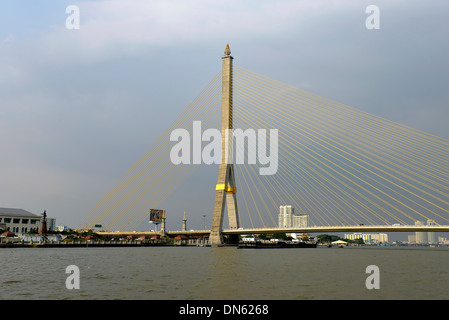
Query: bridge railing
351 228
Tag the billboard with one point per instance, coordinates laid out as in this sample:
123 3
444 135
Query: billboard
156 215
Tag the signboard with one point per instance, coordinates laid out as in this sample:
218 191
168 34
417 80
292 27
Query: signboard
156 215
98 226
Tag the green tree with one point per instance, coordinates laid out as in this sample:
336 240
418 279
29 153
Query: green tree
327 238
281 236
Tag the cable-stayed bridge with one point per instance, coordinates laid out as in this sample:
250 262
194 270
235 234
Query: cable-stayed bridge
346 169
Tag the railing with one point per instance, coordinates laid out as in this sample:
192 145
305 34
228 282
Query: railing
315 229
311 229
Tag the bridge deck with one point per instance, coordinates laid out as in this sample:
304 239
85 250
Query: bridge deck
316 229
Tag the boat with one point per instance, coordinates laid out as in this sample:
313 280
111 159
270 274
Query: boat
275 245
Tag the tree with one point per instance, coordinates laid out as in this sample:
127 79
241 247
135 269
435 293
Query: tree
327 238
263 236
281 236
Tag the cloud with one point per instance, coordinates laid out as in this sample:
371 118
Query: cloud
114 27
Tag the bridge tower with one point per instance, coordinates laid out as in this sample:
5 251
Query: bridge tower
226 191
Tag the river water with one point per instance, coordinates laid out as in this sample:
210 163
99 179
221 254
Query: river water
198 273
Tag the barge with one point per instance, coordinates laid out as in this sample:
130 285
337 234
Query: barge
275 245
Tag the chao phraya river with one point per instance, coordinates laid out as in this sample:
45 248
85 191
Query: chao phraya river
224 273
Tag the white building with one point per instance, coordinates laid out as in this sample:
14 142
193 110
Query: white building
19 220
288 218
420 237
371 238
62 228
431 238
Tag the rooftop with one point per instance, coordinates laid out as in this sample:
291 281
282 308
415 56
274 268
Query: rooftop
13 212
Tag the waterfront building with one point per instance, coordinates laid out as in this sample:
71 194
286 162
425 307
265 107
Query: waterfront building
431 238
380 237
371 238
39 238
62 228
51 224
288 218
19 220
285 216
420 237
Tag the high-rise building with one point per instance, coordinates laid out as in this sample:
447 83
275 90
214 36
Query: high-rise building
431 238
288 218
285 216
51 224
420 236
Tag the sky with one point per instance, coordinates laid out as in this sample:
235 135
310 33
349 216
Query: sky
78 107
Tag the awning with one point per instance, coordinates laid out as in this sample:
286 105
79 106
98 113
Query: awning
339 242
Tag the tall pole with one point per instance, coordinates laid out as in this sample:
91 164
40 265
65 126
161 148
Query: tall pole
225 189
184 222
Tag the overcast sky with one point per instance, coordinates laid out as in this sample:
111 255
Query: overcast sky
79 107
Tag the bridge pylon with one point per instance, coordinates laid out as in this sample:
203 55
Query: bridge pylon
226 191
